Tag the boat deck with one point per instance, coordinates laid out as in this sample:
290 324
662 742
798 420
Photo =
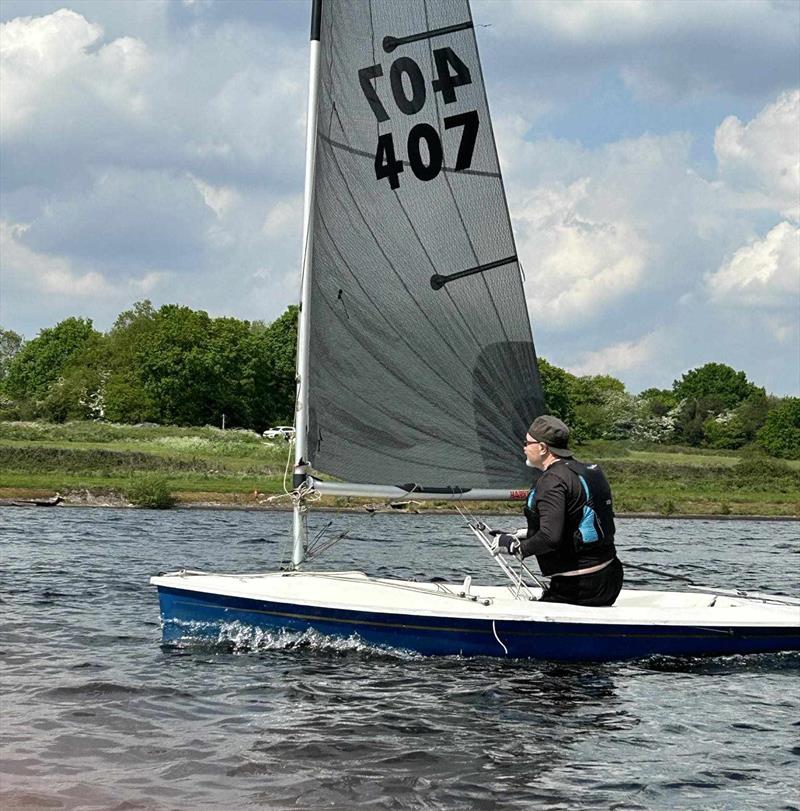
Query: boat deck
355 591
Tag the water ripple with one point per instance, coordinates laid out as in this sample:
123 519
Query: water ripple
99 714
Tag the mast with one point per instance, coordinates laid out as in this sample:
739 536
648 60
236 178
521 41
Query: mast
300 534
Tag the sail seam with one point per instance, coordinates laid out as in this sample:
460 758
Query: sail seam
371 155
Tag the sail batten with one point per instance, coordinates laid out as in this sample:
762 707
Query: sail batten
422 367
390 42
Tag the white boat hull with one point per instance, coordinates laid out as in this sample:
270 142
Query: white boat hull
451 619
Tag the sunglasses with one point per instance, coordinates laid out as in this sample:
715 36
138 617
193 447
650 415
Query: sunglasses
531 442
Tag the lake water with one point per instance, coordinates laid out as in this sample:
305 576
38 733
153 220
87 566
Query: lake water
98 714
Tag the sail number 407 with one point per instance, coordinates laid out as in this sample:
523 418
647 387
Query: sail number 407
387 165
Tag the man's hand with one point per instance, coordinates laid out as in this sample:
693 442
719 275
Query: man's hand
507 543
519 534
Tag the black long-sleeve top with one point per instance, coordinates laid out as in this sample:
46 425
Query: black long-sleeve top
554 511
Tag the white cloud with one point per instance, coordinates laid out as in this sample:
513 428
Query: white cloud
31 51
283 217
621 358
661 50
762 275
220 199
148 283
761 159
155 149
577 265
239 121
51 275
217 100
56 59
624 248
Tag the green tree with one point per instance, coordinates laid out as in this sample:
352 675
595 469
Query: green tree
653 420
558 387
41 362
126 399
603 409
691 417
706 393
178 365
715 382
77 394
175 367
594 388
138 317
780 435
232 361
659 402
274 369
10 345
738 427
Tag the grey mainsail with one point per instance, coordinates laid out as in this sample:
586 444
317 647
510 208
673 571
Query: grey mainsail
421 362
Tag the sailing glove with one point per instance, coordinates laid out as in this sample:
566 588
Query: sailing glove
508 544
519 534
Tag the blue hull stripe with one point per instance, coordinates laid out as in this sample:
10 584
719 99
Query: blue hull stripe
465 636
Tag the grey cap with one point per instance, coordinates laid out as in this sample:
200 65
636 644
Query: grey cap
552 432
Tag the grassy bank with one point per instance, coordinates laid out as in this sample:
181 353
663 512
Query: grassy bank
195 463
97 460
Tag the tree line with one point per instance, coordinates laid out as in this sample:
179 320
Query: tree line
178 366
712 406
171 366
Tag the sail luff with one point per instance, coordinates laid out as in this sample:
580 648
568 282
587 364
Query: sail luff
300 531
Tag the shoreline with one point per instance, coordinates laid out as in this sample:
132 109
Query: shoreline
104 502
156 466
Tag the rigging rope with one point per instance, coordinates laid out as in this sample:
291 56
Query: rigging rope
660 572
494 631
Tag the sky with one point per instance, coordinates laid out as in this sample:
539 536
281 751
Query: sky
650 150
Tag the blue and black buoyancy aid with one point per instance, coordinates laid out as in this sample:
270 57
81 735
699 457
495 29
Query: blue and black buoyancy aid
596 526
590 523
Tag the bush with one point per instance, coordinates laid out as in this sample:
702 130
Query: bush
780 435
737 427
150 491
764 474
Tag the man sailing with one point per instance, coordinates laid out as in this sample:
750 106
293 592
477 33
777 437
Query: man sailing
570 521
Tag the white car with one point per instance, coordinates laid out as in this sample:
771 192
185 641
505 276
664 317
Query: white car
279 431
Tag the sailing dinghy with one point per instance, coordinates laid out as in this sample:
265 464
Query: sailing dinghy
416 370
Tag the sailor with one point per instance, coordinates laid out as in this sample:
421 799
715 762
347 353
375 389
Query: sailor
570 521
